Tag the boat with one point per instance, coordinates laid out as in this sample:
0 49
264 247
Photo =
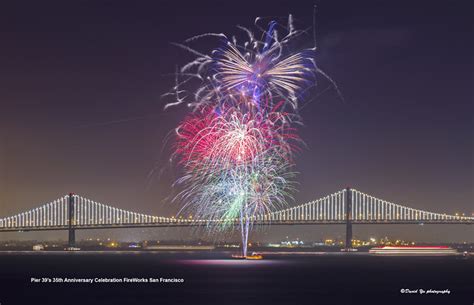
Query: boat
414 250
253 256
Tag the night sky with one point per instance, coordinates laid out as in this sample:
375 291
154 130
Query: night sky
80 106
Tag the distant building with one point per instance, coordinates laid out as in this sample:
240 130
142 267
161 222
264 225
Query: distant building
38 247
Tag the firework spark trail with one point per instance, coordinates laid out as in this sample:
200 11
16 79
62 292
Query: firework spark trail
236 147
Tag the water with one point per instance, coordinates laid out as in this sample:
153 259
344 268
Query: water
210 278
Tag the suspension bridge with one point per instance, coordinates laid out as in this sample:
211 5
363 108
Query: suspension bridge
345 207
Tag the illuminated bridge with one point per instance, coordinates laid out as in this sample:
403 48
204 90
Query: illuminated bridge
348 207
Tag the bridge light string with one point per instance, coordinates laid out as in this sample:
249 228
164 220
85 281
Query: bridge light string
34 218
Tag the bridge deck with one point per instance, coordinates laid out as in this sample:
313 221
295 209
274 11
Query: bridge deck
204 224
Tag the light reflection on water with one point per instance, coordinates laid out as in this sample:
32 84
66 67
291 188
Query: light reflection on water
229 262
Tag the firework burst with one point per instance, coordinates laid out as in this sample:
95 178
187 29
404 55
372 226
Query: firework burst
236 147
233 136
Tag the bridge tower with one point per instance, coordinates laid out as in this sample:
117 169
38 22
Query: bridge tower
71 222
348 219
